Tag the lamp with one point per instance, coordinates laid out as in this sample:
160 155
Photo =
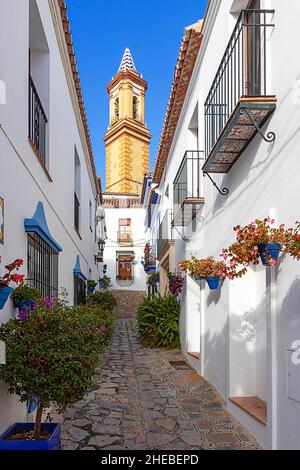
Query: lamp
101 245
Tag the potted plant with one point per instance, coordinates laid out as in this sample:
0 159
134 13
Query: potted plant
192 267
293 243
104 282
259 240
176 283
11 275
51 356
207 268
153 279
91 284
26 297
149 259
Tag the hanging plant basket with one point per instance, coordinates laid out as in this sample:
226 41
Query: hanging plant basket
268 252
213 282
4 295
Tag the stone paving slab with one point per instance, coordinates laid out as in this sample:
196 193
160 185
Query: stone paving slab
140 401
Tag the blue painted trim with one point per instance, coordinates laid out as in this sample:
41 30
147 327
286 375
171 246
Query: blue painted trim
38 224
77 270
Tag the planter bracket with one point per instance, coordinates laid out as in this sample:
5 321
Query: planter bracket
223 191
270 137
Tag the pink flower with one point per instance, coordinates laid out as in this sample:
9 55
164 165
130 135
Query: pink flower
232 263
272 221
257 233
272 262
256 248
290 229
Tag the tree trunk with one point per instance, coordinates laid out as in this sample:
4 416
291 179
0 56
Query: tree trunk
38 422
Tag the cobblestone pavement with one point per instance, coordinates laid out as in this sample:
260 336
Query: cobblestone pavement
141 401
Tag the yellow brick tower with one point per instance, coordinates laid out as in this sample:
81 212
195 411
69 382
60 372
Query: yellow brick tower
127 139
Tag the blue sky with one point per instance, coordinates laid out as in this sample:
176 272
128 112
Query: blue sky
152 30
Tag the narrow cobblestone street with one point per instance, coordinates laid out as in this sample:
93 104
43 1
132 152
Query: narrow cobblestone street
142 401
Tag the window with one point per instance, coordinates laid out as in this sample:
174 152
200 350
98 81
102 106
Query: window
77 187
79 291
253 44
42 266
135 108
125 234
117 114
38 86
124 267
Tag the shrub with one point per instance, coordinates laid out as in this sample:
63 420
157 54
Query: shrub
52 355
25 293
158 321
91 283
104 319
103 299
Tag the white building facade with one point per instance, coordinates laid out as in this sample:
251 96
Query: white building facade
125 242
237 128
49 191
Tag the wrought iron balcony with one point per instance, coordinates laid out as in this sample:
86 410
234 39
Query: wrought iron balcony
37 123
125 238
187 198
238 104
165 233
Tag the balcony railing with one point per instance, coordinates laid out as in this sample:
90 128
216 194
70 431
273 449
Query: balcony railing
187 198
125 238
37 123
241 83
166 230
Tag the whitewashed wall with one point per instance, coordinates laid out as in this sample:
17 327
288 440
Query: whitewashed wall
248 326
23 182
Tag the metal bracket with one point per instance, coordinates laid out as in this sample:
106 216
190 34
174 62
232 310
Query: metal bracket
270 137
223 191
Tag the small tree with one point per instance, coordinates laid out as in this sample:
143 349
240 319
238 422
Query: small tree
52 355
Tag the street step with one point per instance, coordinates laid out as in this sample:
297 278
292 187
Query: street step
128 301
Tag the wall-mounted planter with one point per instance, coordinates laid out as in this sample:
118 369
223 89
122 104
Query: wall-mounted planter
90 289
101 283
150 268
213 282
26 305
53 442
4 294
270 250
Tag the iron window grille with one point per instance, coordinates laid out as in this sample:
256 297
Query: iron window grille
79 291
166 231
42 266
37 123
76 212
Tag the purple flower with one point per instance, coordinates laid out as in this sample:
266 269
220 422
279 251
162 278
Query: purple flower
102 329
48 302
23 315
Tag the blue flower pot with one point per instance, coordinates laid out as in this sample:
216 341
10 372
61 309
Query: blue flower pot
90 289
4 294
27 305
271 250
150 268
213 282
52 443
101 283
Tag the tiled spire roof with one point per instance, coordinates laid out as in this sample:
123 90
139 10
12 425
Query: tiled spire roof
127 61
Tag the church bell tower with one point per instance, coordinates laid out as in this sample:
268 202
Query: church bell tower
127 139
